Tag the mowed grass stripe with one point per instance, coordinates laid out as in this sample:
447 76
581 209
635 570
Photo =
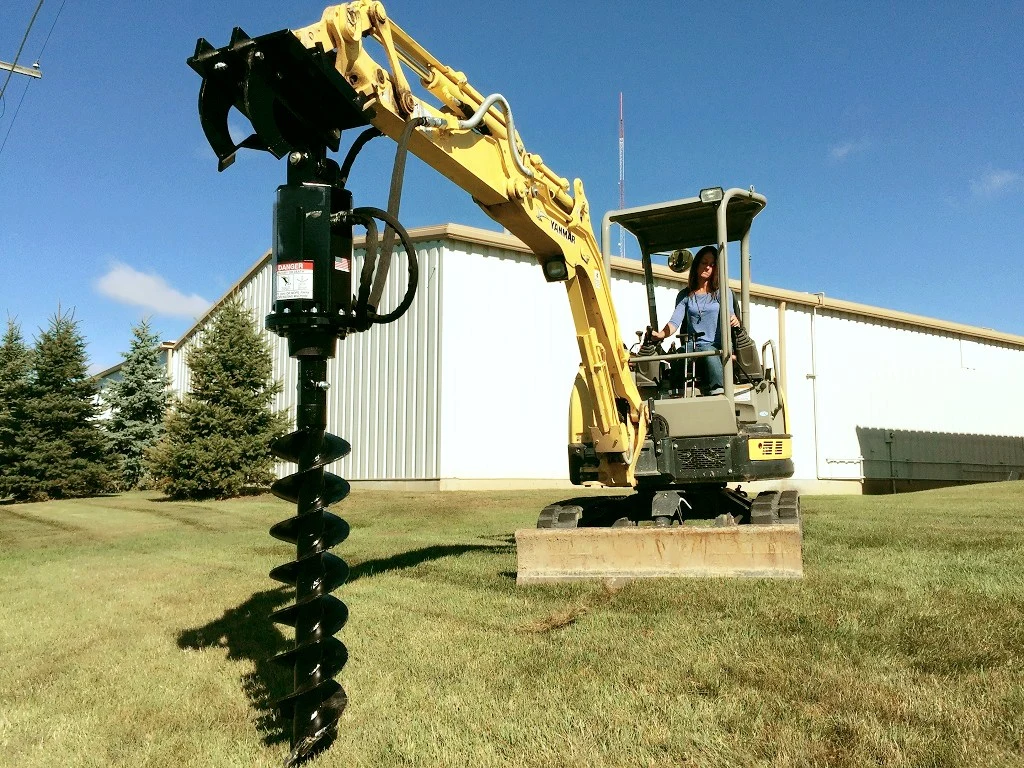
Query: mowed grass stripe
134 632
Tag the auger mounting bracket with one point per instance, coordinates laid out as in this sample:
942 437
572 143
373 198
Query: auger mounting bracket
293 97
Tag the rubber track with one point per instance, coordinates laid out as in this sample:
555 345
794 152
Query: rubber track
775 508
560 516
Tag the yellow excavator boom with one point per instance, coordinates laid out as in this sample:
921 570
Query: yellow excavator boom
471 139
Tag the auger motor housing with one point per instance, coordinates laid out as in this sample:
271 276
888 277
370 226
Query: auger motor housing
312 262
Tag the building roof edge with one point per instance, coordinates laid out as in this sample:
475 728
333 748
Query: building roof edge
477 235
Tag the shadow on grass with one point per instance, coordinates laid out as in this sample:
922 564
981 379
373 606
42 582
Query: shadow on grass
417 556
248 634
246 493
505 538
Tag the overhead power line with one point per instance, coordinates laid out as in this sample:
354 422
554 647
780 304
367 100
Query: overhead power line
51 29
10 72
14 116
33 72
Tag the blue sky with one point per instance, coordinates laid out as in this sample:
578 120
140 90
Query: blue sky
889 144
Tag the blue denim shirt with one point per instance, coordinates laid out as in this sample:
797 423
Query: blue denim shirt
701 314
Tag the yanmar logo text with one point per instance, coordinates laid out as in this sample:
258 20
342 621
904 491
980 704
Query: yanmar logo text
563 231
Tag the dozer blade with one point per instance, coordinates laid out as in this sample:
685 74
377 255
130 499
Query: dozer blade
622 554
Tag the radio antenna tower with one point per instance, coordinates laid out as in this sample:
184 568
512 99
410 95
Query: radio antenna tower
622 176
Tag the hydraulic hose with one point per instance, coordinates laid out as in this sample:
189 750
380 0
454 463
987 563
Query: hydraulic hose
359 216
478 116
368 275
361 141
414 269
394 202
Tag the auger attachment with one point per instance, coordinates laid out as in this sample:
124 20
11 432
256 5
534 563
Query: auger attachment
298 106
317 700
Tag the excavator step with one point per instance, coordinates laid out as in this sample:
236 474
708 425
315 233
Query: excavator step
548 555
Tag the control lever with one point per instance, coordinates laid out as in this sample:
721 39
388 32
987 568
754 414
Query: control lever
648 345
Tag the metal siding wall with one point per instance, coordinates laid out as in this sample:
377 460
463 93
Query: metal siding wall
493 405
510 357
885 375
799 391
938 457
384 382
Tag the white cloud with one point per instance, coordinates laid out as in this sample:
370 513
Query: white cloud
129 286
847 148
993 182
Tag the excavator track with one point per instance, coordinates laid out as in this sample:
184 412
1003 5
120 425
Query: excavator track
560 516
727 506
776 508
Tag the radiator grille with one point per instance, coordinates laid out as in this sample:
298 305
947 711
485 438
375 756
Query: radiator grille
701 458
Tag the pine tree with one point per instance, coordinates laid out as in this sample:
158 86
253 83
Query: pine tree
138 405
67 451
15 368
217 442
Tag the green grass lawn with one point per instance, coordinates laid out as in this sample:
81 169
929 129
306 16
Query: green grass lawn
133 632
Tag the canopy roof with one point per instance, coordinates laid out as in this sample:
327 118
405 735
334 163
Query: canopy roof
688 223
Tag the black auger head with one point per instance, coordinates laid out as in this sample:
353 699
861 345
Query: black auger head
293 96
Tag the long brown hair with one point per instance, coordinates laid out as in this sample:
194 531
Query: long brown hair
695 269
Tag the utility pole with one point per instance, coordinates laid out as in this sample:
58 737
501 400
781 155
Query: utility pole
14 69
32 71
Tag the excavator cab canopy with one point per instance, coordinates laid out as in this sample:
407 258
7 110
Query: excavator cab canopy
690 222
717 216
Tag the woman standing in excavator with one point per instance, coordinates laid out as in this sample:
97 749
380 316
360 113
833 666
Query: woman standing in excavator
697 310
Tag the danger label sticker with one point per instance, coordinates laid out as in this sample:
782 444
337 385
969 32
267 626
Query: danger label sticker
294 280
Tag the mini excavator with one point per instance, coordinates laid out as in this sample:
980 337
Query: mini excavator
638 419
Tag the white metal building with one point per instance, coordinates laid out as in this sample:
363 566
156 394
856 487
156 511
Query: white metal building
470 389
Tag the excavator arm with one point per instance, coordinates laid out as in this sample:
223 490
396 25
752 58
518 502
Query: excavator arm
465 136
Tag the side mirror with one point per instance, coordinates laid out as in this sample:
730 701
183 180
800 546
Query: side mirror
680 260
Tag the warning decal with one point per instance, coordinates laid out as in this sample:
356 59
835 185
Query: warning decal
294 280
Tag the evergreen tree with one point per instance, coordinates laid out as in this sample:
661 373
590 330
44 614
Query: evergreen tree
138 405
67 452
15 368
217 441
